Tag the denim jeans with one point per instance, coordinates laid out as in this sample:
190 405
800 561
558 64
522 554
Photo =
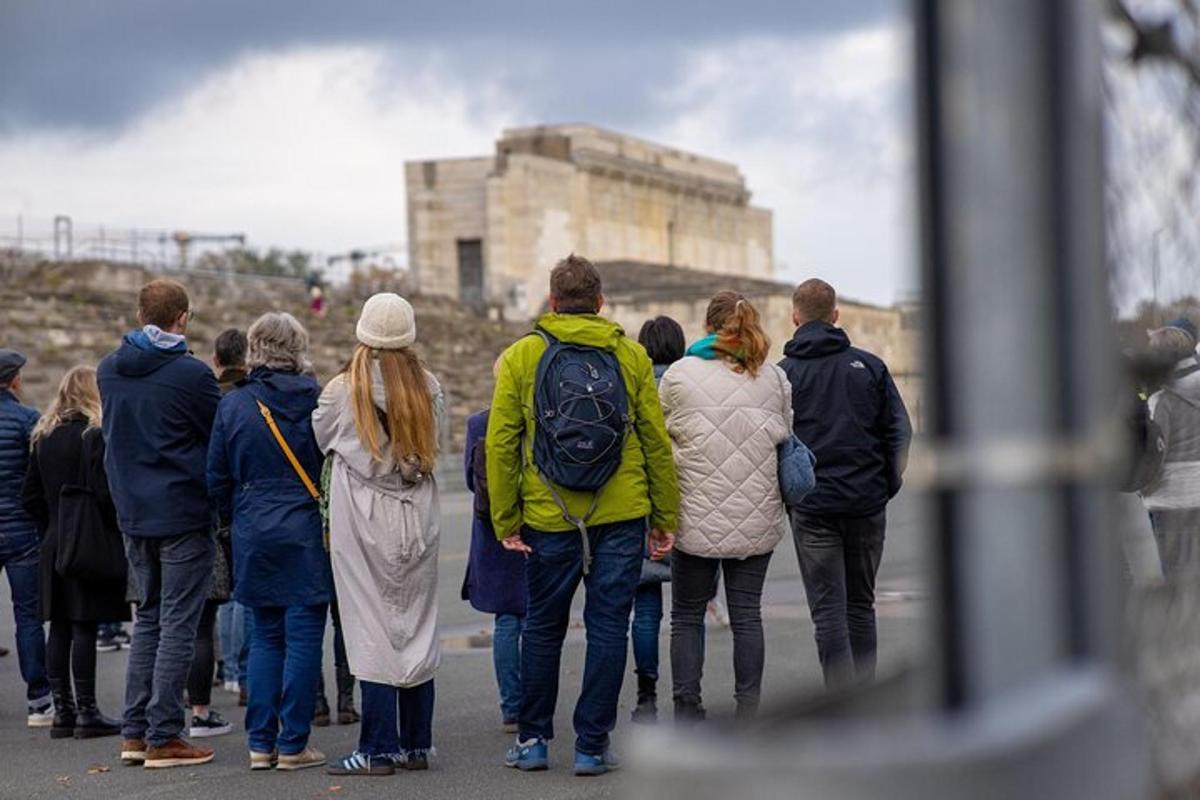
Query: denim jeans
285 660
553 572
172 576
19 558
396 719
647 619
506 659
231 632
693 584
839 559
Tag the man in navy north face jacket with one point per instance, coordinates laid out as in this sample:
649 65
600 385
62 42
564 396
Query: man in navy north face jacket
846 408
158 406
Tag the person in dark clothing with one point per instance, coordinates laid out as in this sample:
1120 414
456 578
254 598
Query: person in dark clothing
495 579
68 451
158 408
847 409
665 343
19 540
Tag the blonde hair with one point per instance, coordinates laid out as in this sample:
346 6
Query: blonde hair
740 336
411 428
78 393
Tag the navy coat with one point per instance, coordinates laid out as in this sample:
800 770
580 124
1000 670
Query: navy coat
279 556
846 408
158 413
17 529
495 579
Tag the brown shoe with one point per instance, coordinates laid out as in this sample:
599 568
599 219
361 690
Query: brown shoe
133 752
177 753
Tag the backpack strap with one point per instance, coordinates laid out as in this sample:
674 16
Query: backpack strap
287 451
580 523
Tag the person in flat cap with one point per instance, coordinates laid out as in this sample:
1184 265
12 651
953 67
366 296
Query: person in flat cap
19 545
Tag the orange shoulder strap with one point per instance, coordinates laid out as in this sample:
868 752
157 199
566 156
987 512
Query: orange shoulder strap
287 451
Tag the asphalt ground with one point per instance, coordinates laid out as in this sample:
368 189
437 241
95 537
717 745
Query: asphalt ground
467 732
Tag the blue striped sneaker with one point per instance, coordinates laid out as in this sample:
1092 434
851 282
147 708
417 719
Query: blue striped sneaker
586 764
531 755
361 764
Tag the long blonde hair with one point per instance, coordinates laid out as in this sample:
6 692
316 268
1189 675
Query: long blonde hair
78 393
411 429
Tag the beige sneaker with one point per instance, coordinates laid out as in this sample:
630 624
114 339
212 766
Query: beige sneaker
308 757
263 760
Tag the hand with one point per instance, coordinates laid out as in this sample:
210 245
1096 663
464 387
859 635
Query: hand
515 543
661 543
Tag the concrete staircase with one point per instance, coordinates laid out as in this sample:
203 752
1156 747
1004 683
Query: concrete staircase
63 314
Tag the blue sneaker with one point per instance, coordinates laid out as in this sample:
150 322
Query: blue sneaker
595 765
531 755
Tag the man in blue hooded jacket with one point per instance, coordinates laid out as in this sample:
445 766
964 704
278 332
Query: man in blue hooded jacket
846 408
158 408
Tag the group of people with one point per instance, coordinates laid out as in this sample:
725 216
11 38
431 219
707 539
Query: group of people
614 463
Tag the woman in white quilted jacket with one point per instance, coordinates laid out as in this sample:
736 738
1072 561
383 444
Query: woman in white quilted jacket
727 411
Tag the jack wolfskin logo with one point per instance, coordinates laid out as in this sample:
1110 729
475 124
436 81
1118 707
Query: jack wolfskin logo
586 444
858 364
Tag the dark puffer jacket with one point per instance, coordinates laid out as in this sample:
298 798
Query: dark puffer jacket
846 408
16 423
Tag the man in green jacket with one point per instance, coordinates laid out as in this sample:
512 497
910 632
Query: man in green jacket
528 519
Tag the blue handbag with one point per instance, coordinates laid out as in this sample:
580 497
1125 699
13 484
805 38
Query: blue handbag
796 476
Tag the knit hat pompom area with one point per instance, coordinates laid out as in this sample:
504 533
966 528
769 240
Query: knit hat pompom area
387 322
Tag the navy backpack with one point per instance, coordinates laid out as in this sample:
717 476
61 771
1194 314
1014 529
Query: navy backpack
581 412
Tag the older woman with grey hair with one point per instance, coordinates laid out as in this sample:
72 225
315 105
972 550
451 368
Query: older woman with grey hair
263 466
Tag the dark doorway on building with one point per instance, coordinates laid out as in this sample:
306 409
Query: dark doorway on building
470 273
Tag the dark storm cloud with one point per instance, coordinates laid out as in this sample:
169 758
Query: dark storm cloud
98 65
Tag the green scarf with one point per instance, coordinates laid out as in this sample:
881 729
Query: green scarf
710 349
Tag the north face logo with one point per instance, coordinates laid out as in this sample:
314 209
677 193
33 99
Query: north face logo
858 364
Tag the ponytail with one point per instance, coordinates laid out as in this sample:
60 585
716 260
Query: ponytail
738 327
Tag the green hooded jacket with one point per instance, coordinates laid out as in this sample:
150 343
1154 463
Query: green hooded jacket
643 486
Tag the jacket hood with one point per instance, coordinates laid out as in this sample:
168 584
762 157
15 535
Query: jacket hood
816 339
288 394
590 330
136 357
1186 379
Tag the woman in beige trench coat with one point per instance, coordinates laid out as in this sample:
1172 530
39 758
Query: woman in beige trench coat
378 421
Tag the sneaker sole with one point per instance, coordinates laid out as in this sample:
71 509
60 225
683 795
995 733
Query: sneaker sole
131 758
204 733
107 648
529 766
167 763
373 772
39 723
284 766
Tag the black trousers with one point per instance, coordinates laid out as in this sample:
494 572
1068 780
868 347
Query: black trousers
71 648
839 559
200 674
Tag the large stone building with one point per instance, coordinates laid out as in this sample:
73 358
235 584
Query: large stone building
487 230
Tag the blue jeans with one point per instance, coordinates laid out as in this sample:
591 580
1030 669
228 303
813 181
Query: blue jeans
396 719
19 557
285 660
172 576
231 630
647 617
506 658
553 572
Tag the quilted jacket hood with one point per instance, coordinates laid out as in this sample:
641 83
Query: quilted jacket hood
726 427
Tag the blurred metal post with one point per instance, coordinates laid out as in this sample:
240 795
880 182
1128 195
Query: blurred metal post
1025 696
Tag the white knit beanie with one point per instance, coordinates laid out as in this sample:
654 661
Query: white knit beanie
387 322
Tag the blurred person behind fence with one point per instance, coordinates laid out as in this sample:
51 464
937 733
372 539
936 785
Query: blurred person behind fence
379 420
1173 498
494 582
82 569
578 399
665 343
19 540
158 405
263 464
727 413
846 408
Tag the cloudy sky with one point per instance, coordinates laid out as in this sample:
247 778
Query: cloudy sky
292 120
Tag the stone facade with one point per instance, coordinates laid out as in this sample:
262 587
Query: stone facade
488 230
